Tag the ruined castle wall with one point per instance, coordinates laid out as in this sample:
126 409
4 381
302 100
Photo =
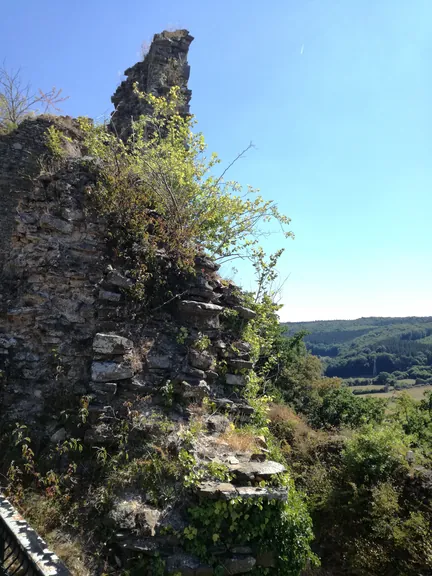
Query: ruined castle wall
56 291
51 262
163 67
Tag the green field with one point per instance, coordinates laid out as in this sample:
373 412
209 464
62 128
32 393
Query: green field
415 392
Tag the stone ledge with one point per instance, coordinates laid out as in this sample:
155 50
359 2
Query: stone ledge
227 491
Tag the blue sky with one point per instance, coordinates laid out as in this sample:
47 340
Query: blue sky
336 96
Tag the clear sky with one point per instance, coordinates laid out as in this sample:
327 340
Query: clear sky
335 94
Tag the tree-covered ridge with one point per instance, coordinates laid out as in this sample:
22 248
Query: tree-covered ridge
369 346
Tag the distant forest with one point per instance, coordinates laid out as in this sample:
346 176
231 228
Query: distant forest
366 347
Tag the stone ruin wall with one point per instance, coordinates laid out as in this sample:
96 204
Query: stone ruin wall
54 292
165 65
68 327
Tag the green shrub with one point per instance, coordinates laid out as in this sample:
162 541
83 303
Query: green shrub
283 528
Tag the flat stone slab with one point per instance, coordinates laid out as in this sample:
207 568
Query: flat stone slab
226 491
240 364
106 387
111 344
254 470
244 312
200 308
235 380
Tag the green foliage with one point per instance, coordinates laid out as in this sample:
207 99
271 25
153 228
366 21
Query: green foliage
202 343
159 190
376 454
282 527
416 420
55 140
182 335
340 407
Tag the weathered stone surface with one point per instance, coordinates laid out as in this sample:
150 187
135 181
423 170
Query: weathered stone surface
235 380
109 296
115 278
256 470
201 360
194 372
107 387
224 404
240 364
186 565
164 66
136 384
258 492
206 263
211 376
52 223
58 436
150 546
203 315
217 423
205 294
111 344
242 550
130 513
239 564
7 343
215 489
196 390
99 435
204 309
233 460
227 490
110 371
240 349
244 312
159 362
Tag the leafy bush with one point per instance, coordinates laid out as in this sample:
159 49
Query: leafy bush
283 528
160 191
340 407
376 454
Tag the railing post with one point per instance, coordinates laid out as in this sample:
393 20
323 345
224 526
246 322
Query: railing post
2 548
22 551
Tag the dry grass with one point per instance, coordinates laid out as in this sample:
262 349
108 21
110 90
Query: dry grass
45 517
197 410
281 412
297 438
70 551
239 441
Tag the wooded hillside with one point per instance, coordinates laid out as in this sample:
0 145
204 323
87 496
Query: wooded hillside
369 346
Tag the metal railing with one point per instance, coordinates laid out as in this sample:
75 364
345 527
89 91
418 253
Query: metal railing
22 551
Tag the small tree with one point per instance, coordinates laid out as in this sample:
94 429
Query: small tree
18 100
